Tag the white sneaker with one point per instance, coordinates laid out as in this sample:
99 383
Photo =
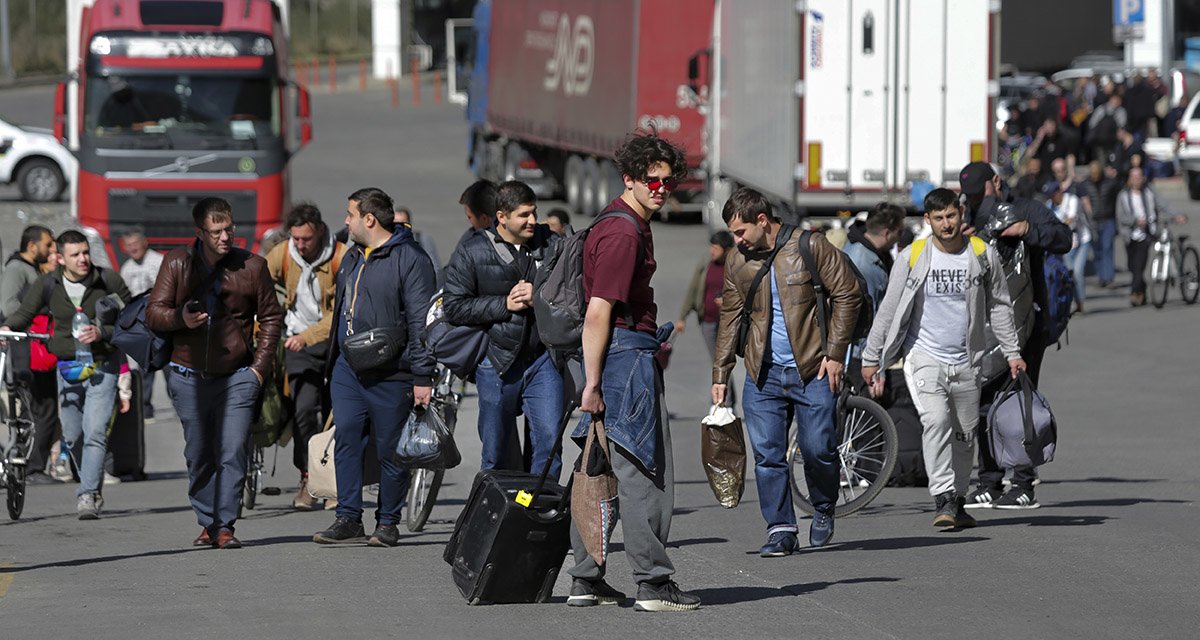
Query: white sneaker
61 471
89 506
110 479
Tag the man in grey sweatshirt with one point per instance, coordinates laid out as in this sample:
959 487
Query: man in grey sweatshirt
941 293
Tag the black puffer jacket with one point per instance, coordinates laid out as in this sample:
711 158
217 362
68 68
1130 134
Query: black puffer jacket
479 276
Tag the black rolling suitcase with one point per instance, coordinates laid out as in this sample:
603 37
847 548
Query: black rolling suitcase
509 542
127 438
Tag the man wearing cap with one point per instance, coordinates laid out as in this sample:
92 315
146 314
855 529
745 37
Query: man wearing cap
1007 222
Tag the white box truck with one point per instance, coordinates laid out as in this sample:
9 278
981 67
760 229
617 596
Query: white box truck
837 104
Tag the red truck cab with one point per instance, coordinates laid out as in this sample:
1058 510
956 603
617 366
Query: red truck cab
178 100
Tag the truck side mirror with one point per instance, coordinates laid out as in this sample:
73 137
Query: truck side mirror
60 112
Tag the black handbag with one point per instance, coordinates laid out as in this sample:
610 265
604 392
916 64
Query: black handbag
375 349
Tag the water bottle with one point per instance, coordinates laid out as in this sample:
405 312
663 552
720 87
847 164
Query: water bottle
83 352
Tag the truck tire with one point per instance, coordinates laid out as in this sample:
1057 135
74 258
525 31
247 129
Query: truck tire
573 183
591 188
610 185
40 180
1193 185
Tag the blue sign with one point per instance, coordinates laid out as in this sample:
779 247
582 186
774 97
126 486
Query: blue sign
1129 19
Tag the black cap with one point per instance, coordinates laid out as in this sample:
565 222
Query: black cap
974 177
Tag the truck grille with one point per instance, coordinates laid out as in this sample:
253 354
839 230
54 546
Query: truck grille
166 218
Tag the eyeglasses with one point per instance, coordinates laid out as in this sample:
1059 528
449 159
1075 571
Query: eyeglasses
216 234
666 184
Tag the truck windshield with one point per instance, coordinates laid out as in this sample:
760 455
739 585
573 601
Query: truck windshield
182 111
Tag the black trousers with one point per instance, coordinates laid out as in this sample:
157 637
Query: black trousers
1137 254
43 391
309 397
991 474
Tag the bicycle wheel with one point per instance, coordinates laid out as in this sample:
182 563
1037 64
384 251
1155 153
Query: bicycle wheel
1189 275
14 481
1160 280
423 485
867 446
250 491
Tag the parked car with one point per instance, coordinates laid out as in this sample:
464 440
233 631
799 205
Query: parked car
1188 149
34 161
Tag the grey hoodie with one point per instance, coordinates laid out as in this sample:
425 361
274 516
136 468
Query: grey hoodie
987 297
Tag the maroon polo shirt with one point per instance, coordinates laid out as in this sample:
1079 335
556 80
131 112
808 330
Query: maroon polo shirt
611 269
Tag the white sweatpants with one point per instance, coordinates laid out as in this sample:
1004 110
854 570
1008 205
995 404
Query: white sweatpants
947 399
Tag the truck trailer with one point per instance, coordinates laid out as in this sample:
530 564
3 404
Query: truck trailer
558 85
828 105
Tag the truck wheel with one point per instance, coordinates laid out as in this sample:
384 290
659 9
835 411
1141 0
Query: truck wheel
1193 185
573 177
40 180
591 188
609 186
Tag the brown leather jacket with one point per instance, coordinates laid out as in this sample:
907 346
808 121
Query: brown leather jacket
798 300
247 294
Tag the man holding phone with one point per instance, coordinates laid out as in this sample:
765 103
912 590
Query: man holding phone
209 295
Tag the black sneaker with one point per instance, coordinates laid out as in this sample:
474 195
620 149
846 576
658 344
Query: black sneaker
779 544
947 507
1017 498
343 530
982 498
386 535
820 532
588 593
962 519
664 597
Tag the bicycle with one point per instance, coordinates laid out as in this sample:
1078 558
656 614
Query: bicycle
1173 260
423 484
867 449
16 415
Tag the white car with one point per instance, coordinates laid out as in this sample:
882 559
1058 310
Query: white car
35 162
1188 149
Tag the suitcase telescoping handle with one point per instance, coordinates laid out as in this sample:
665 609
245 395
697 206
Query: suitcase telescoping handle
526 498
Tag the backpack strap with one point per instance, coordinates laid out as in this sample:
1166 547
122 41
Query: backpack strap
977 244
810 263
283 269
781 238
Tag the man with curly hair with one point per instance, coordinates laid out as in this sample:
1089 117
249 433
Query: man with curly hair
620 338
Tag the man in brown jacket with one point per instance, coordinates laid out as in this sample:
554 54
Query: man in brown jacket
209 295
305 269
791 370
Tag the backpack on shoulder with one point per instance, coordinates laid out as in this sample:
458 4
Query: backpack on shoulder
866 310
559 302
1060 296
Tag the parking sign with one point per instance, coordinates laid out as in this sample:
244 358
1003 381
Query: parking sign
1129 20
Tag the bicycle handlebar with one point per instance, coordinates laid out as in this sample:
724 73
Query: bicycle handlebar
20 335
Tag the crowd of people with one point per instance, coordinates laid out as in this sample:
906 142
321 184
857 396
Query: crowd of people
342 315
1103 124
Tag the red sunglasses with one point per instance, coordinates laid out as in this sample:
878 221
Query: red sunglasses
666 184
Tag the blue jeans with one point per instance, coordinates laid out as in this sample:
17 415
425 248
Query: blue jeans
85 409
536 389
362 408
1106 232
770 408
216 414
1076 260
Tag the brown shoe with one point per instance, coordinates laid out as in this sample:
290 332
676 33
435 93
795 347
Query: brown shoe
202 540
226 540
303 499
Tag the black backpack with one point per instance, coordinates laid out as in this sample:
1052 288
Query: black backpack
559 302
149 348
866 310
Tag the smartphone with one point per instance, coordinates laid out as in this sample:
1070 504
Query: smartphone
193 306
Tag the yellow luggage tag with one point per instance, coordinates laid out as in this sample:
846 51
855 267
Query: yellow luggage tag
524 498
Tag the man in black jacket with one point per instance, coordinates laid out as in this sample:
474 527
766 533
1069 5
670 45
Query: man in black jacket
489 282
1041 232
385 282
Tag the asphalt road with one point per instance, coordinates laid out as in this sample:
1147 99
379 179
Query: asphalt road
1112 553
